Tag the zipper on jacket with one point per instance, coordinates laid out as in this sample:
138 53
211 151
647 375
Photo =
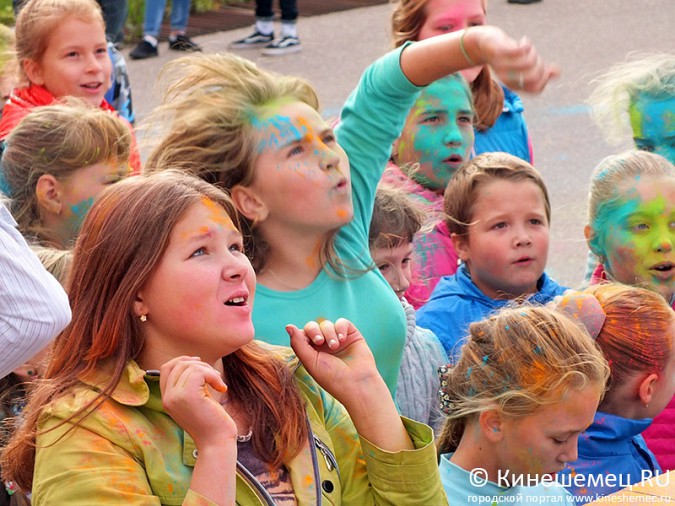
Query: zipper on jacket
248 476
331 461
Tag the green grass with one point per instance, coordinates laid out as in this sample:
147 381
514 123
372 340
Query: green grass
6 12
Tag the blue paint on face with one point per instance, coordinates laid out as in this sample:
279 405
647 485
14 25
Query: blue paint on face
653 123
438 133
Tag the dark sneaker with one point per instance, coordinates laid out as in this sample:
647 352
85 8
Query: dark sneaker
285 45
143 50
256 39
182 42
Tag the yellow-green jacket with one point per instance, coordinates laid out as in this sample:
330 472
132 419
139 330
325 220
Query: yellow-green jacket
130 452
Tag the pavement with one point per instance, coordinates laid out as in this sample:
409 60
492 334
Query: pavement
584 37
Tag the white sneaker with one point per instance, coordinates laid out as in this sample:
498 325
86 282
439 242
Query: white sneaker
281 46
256 39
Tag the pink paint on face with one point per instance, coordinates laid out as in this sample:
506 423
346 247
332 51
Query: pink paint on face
445 16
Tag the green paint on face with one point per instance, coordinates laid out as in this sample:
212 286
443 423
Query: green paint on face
438 133
636 234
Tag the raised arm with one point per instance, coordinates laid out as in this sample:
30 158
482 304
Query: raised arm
33 306
516 63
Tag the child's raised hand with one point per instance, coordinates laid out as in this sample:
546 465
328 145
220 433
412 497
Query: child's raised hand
516 63
185 382
335 354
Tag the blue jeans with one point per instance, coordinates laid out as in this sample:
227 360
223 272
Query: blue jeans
114 14
154 13
289 10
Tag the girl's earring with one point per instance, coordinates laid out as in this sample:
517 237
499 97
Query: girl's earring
144 318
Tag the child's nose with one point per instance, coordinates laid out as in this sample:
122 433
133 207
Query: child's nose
94 64
329 159
453 135
664 243
522 237
234 267
570 452
403 283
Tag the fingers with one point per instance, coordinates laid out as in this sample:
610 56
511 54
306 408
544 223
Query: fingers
521 67
188 374
319 334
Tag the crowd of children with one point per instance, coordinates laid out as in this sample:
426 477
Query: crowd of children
404 331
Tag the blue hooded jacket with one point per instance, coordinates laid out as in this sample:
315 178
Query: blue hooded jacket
457 301
612 449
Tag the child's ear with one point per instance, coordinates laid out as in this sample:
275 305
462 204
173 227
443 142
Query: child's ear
140 308
491 424
647 388
592 240
48 193
33 70
249 204
461 245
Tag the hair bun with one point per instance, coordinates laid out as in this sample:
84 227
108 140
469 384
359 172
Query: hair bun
585 308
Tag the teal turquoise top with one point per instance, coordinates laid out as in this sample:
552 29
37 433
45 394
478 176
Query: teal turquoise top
370 121
463 487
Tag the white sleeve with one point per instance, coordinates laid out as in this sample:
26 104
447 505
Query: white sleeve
33 306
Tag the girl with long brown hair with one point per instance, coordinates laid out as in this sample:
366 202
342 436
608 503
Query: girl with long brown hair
157 394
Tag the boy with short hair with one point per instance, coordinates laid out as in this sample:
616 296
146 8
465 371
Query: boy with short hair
498 213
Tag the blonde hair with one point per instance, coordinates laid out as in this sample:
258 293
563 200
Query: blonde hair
608 177
396 218
407 20
58 140
617 89
211 104
56 261
518 361
37 21
462 190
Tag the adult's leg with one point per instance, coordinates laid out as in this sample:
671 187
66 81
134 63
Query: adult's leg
180 13
289 10
114 14
154 14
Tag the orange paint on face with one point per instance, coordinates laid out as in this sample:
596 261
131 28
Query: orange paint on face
217 214
343 213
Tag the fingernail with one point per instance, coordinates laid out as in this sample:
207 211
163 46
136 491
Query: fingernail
341 337
332 343
289 329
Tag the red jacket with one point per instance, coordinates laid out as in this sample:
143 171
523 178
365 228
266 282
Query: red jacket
24 100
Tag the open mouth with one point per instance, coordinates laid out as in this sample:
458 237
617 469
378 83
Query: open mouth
236 301
453 159
92 86
664 270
